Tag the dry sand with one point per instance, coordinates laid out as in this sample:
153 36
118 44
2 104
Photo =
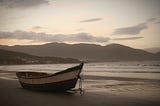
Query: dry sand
11 94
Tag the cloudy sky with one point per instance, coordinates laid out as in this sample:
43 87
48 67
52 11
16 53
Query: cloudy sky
135 23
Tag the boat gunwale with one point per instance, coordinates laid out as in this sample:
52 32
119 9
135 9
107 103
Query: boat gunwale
79 67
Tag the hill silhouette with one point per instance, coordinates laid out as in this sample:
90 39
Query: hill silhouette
10 57
89 52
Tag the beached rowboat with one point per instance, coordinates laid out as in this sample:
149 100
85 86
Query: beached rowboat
60 81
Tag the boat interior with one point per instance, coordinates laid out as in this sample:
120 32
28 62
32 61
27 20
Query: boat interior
31 74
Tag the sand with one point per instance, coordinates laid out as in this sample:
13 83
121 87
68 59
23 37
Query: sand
99 91
11 94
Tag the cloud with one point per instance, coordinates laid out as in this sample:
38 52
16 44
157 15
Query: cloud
92 20
79 37
22 3
37 28
132 30
151 20
157 22
128 38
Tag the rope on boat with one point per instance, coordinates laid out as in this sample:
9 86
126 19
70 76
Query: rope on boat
80 84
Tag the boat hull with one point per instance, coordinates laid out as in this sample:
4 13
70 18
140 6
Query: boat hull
55 86
60 81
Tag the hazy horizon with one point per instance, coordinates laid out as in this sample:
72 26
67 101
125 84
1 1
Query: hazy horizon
127 22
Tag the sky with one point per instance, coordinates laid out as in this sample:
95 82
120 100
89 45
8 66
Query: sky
134 23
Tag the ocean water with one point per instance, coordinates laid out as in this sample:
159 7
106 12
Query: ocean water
139 79
147 69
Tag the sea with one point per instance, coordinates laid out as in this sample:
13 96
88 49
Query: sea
138 79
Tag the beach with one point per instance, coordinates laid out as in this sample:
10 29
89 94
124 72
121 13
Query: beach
13 95
99 91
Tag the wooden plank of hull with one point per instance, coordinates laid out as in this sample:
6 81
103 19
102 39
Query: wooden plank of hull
51 79
55 86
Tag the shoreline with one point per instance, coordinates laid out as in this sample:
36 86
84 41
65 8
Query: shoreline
119 78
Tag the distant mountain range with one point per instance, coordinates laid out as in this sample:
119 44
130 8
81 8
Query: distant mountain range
86 52
10 57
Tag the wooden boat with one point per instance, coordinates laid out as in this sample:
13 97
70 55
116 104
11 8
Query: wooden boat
60 81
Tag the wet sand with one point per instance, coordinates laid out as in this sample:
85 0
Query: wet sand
12 94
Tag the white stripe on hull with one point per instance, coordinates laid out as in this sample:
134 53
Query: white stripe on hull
52 79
